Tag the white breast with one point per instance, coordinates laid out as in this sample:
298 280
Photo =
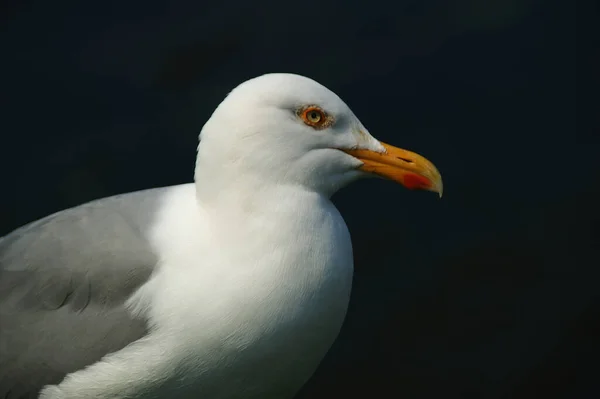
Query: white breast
248 301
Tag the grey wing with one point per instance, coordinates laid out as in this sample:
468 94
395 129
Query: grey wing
63 283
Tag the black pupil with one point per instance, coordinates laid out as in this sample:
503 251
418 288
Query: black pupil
314 115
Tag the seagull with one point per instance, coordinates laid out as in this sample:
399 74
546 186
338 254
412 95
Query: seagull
234 286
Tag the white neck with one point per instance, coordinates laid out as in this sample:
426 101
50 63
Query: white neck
283 283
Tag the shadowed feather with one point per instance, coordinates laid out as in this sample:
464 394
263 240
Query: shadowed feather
63 285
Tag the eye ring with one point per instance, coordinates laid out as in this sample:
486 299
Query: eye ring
315 117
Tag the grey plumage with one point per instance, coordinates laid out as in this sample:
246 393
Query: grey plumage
63 282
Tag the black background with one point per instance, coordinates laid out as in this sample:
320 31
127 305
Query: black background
491 292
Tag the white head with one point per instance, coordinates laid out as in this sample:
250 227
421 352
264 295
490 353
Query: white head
289 129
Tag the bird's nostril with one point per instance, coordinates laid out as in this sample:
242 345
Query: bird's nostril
405 160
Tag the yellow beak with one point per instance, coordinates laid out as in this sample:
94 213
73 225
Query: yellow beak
405 167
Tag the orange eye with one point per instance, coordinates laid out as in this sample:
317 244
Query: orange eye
314 117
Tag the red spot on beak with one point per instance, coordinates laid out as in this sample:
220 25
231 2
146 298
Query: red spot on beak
413 181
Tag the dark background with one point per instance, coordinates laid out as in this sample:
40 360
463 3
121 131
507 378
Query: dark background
491 292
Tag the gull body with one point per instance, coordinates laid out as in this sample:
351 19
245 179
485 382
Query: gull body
241 280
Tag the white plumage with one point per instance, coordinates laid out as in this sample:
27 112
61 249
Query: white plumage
253 263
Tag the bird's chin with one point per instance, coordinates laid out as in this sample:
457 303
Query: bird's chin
342 180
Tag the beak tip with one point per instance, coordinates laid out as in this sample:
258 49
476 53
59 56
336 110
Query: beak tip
437 185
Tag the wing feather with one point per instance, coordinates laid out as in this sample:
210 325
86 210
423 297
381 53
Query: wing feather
63 283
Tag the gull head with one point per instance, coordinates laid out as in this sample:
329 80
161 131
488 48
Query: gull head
288 129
